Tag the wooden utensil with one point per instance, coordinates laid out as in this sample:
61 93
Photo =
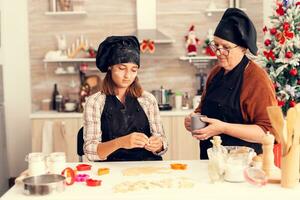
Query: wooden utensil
290 161
291 122
277 121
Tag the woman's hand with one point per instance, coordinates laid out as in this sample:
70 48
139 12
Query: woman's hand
155 144
133 140
215 127
187 122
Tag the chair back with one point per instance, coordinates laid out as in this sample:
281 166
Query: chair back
80 142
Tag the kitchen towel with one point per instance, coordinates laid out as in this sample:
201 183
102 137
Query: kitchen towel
47 137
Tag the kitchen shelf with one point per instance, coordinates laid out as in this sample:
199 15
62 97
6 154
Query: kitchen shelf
69 60
192 59
66 13
218 10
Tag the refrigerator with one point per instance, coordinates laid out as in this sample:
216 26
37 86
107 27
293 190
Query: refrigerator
3 147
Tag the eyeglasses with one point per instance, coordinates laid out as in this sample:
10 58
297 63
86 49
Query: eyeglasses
219 51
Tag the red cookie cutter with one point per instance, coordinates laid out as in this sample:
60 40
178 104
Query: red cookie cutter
83 167
69 174
93 182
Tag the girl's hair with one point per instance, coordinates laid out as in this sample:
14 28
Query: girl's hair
108 86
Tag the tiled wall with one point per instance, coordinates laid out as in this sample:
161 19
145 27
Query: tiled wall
117 17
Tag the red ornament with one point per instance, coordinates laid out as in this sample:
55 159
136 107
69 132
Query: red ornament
209 52
293 72
280 10
267 42
269 55
273 31
288 54
280 103
292 103
265 29
298 82
286 26
298 3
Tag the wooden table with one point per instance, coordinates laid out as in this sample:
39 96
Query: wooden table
196 171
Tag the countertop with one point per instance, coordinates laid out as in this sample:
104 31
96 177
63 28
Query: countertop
196 172
54 114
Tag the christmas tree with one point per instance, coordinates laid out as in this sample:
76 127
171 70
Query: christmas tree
281 53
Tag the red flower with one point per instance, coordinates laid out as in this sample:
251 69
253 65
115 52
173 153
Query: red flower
273 31
292 103
293 72
280 103
280 10
286 26
298 3
288 54
284 35
269 55
267 42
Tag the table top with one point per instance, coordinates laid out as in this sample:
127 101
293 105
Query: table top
196 172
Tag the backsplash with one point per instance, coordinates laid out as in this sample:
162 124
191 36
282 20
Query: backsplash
115 17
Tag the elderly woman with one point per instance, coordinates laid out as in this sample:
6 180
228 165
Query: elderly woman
238 90
122 122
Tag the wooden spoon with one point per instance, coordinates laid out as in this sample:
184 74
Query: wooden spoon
291 119
277 121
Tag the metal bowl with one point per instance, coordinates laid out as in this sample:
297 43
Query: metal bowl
44 184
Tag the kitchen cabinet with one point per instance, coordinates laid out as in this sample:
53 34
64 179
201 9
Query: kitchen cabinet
61 8
65 126
64 133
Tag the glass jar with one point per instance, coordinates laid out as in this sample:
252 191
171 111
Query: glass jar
36 164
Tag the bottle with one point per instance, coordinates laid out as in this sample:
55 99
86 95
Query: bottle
54 94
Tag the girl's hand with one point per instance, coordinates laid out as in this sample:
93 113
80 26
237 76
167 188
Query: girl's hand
133 140
155 144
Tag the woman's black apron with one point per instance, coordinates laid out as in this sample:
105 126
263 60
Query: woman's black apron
222 101
118 120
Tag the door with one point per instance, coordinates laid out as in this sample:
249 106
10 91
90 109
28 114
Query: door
3 154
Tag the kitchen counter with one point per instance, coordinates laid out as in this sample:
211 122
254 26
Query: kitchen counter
54 114
196 172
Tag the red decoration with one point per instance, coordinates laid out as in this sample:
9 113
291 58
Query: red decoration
265 29
284 35
269 55
92 53
286 26
273 31
293 72
298 3
298 82
267 42
292 103
280 103
210 52
147 45
288 54
280 10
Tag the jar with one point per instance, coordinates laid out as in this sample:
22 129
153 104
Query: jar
45 104
56 162
36 164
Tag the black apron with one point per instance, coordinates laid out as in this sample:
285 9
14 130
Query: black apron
222 101
118 120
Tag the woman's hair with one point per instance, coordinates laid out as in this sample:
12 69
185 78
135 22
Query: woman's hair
108 86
